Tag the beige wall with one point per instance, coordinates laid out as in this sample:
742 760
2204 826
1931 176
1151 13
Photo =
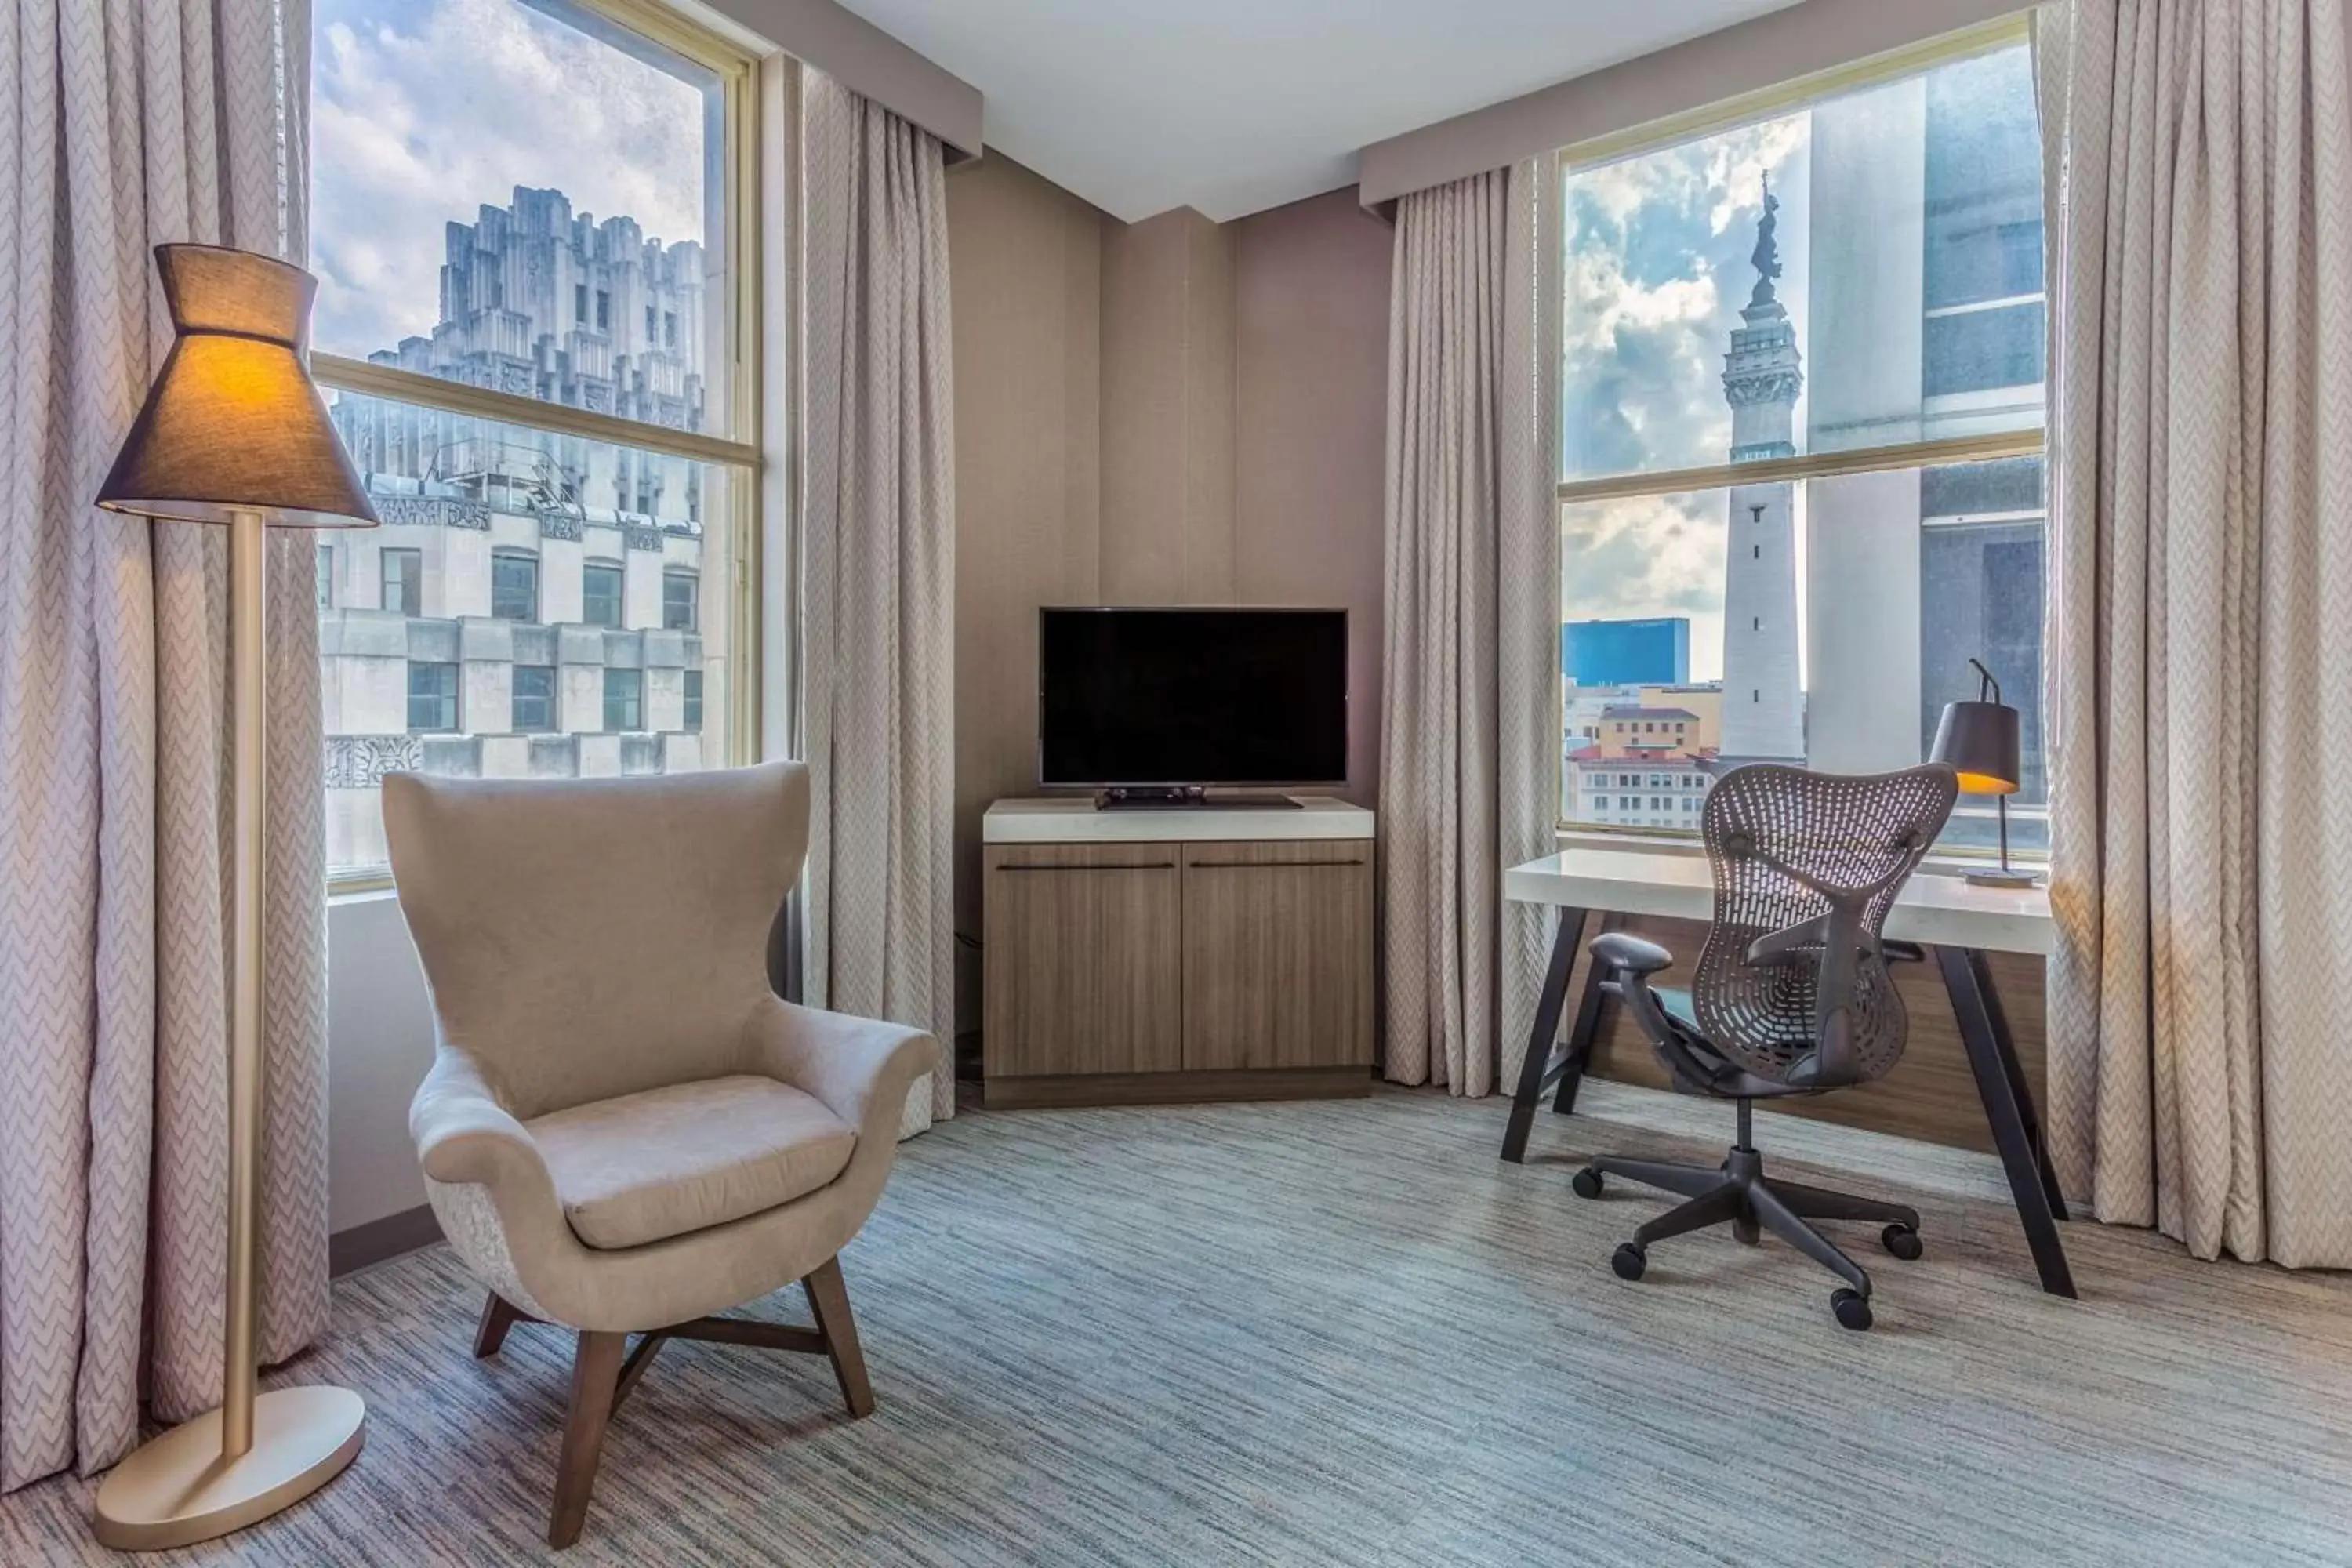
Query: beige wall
859 55
1310 358
1024 260
1777 46
1169 412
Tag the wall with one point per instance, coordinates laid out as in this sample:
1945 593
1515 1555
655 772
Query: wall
379 1045
1024 260
1172 411
1310 366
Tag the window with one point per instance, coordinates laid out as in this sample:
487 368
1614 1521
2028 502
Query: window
514 585
326 571
693 720
624 700
600 593
1846 294
432 698
403 571
545 484
677 600
534 697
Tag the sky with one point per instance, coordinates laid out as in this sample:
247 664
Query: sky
424 111
1658 268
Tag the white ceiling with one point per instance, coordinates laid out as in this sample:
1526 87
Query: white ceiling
1233 106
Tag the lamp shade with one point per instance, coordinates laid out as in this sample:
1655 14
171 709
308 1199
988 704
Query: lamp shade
1981 742
233 423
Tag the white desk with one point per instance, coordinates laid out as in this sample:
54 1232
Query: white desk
1956 921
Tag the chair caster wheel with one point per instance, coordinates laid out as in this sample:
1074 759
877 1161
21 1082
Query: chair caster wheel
1587 1181
1903 1241
1629 1260
1851 1306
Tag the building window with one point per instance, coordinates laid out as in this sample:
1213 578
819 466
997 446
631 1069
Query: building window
432 698
439 271
403 574
600 593
534 697
514 585
669 328
624 700
326 570
678 590
1852 274
694 702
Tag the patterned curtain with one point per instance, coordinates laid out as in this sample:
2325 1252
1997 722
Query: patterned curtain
2201 691
1469 723
878 530
174 120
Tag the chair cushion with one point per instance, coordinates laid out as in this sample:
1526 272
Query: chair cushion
645 1166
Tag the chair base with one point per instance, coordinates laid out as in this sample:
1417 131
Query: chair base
603 1375
1737 1194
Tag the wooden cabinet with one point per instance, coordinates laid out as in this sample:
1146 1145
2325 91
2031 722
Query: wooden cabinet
1130 970
1083 971
1277 955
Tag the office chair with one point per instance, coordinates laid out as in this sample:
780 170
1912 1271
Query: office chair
1793 995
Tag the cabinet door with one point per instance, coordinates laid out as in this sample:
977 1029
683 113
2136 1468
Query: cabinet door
1083 958
1278 955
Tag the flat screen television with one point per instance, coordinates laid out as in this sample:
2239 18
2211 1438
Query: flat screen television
1153 698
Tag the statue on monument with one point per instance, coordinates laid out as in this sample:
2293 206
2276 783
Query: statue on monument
1767 255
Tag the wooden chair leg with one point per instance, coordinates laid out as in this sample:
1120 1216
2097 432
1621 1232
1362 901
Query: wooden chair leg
596 1374
496 1318
829 1301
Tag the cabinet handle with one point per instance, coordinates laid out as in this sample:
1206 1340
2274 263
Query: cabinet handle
1101 865
1262 865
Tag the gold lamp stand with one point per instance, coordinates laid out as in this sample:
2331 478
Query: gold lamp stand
234 432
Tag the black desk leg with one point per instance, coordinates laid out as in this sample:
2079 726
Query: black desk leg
1581 1033
2000 1083
1548 1003
2018 1087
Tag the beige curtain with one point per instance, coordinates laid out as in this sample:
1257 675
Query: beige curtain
1469 723
878 555
173 120
2202 696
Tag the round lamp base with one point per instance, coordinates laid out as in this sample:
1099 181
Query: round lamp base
177 1488
2009 879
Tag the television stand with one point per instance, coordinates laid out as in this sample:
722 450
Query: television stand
1185 797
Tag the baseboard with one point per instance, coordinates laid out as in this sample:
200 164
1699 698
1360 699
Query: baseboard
1175 1087
379 1239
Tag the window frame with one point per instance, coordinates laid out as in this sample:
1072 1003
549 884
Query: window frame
411 580
741 526
554 700
1747 109
454 697
637 699
620 570
693 580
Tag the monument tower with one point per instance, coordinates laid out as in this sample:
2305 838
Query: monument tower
1763 696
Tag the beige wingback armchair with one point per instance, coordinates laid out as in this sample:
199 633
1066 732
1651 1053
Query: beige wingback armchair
624 1129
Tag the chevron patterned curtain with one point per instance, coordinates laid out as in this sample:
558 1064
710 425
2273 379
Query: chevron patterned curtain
2201 1063
1469 728
877 524
173 120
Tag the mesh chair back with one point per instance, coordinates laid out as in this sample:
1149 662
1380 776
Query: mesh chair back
1791 984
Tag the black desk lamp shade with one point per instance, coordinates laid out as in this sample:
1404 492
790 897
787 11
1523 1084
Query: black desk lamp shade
1983 742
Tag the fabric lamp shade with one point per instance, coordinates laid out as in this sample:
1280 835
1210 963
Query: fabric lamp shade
233 424
1982 742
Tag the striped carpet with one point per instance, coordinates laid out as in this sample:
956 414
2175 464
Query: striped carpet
1345 1334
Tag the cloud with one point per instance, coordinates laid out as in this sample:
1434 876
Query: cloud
423 111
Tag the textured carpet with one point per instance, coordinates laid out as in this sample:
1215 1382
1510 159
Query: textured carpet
1345 1334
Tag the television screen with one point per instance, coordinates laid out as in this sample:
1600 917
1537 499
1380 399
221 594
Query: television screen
1193 696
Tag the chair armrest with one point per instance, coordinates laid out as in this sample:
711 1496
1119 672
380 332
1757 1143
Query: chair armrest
464 1134
1629 955
861 1068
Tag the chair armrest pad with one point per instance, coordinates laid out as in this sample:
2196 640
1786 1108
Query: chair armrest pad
464 1134
1627 953
860 1067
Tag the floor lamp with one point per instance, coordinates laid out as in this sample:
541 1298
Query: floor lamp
233 433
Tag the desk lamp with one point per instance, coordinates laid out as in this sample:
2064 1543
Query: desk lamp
233 433
1980 740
